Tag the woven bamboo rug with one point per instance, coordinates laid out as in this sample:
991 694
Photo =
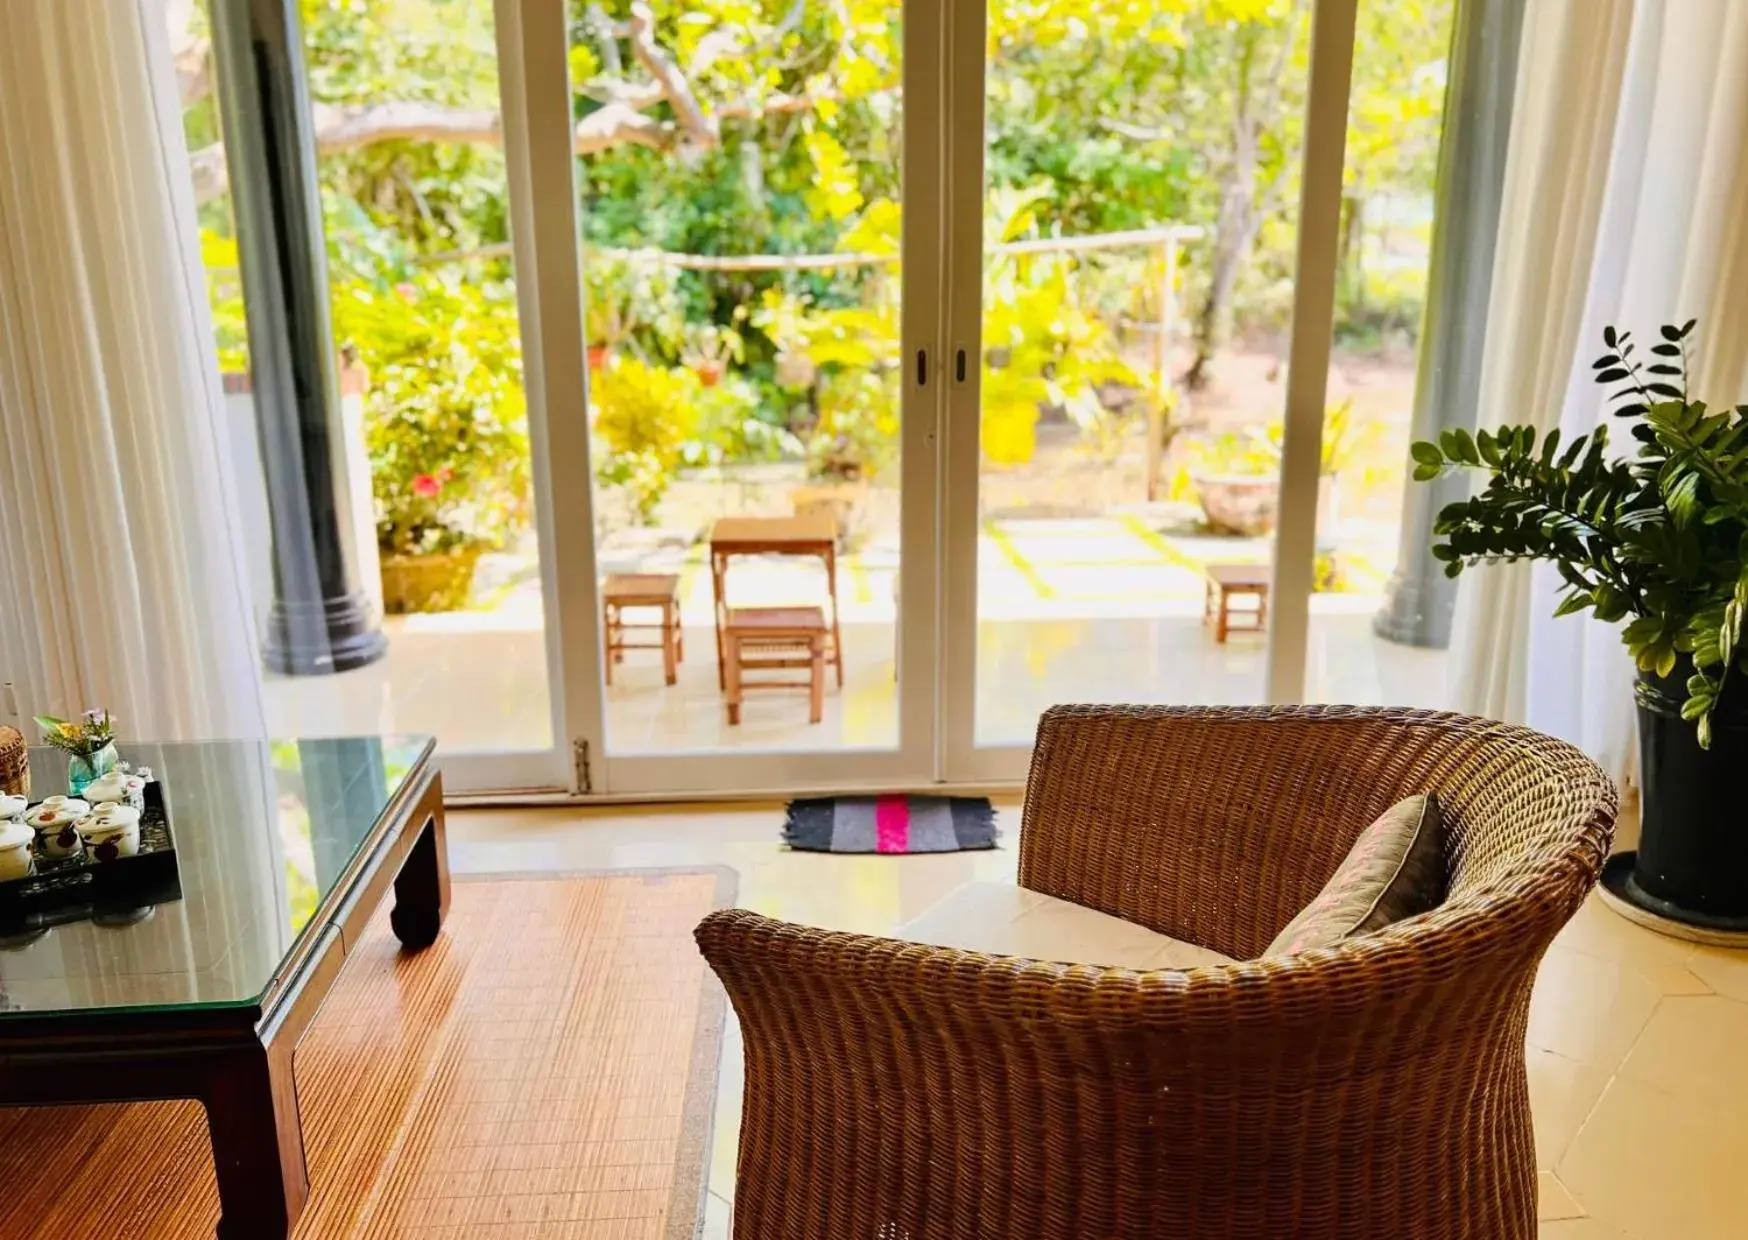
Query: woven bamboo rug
546 1069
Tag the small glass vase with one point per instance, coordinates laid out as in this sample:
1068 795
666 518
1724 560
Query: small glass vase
82 772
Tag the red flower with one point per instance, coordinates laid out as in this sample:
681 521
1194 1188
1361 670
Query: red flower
427 486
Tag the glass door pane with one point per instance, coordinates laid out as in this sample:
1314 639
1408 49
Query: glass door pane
1139 225
432 497
1425 168
739 201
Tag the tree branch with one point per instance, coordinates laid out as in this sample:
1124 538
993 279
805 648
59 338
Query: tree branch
190 53
343 128
700 127
194 71
619 120
340 128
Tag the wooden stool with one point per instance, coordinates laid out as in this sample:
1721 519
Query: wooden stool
1227 580
660 590
766 638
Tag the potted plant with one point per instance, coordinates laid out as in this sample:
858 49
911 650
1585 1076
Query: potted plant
446 430
88 742
1658 540
1238 483
1046 347
624 295
1238 478
709 349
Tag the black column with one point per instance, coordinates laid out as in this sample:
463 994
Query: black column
321 620
1459 281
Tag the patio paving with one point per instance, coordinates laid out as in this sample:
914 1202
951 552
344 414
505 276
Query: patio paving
1093 609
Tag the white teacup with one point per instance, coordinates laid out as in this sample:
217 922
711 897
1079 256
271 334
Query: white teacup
117 787
15 858
12 808
53 822
111 831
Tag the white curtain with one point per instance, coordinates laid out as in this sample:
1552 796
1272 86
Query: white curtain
1626 203
121 574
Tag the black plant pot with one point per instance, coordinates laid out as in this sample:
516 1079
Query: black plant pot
1692 862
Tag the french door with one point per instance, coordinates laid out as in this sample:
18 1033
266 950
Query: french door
952 609
1092 592
633 732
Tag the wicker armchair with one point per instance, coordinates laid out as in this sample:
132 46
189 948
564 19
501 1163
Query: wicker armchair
896 1091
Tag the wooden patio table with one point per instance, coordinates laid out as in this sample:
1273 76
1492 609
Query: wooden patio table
810 536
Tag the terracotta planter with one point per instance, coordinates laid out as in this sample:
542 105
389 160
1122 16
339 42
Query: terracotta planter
440 582
1243 504
1249 504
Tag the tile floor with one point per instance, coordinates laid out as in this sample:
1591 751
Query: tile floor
1638 1045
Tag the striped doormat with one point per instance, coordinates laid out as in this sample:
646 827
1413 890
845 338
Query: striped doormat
546 1069
890 824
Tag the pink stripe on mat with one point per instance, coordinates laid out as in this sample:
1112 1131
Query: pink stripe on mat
891 824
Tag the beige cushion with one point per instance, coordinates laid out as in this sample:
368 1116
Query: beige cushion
1394 870
1007 920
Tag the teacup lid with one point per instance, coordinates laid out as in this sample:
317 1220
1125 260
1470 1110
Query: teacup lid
11 807
108 818
58 809
14 835
109 787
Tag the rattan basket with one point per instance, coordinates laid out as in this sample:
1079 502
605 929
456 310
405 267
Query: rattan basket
14 763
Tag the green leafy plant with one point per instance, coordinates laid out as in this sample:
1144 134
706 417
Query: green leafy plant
445 417
710 349
1256 451
643 417
81 737
732 427
628 298
1661 537
1043 346
857 433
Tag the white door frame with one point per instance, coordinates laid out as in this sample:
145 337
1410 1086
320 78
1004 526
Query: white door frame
944 58
534 71
546 309
1313 307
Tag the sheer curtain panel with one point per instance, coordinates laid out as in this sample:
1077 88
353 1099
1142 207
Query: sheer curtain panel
121 574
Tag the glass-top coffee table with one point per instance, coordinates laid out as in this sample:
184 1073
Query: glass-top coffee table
284 850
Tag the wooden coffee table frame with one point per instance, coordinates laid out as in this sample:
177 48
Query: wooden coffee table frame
237 1060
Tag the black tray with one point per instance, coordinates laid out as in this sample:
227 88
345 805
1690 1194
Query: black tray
76 888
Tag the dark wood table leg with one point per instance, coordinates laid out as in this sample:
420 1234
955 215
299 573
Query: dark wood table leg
250 1097
422 886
